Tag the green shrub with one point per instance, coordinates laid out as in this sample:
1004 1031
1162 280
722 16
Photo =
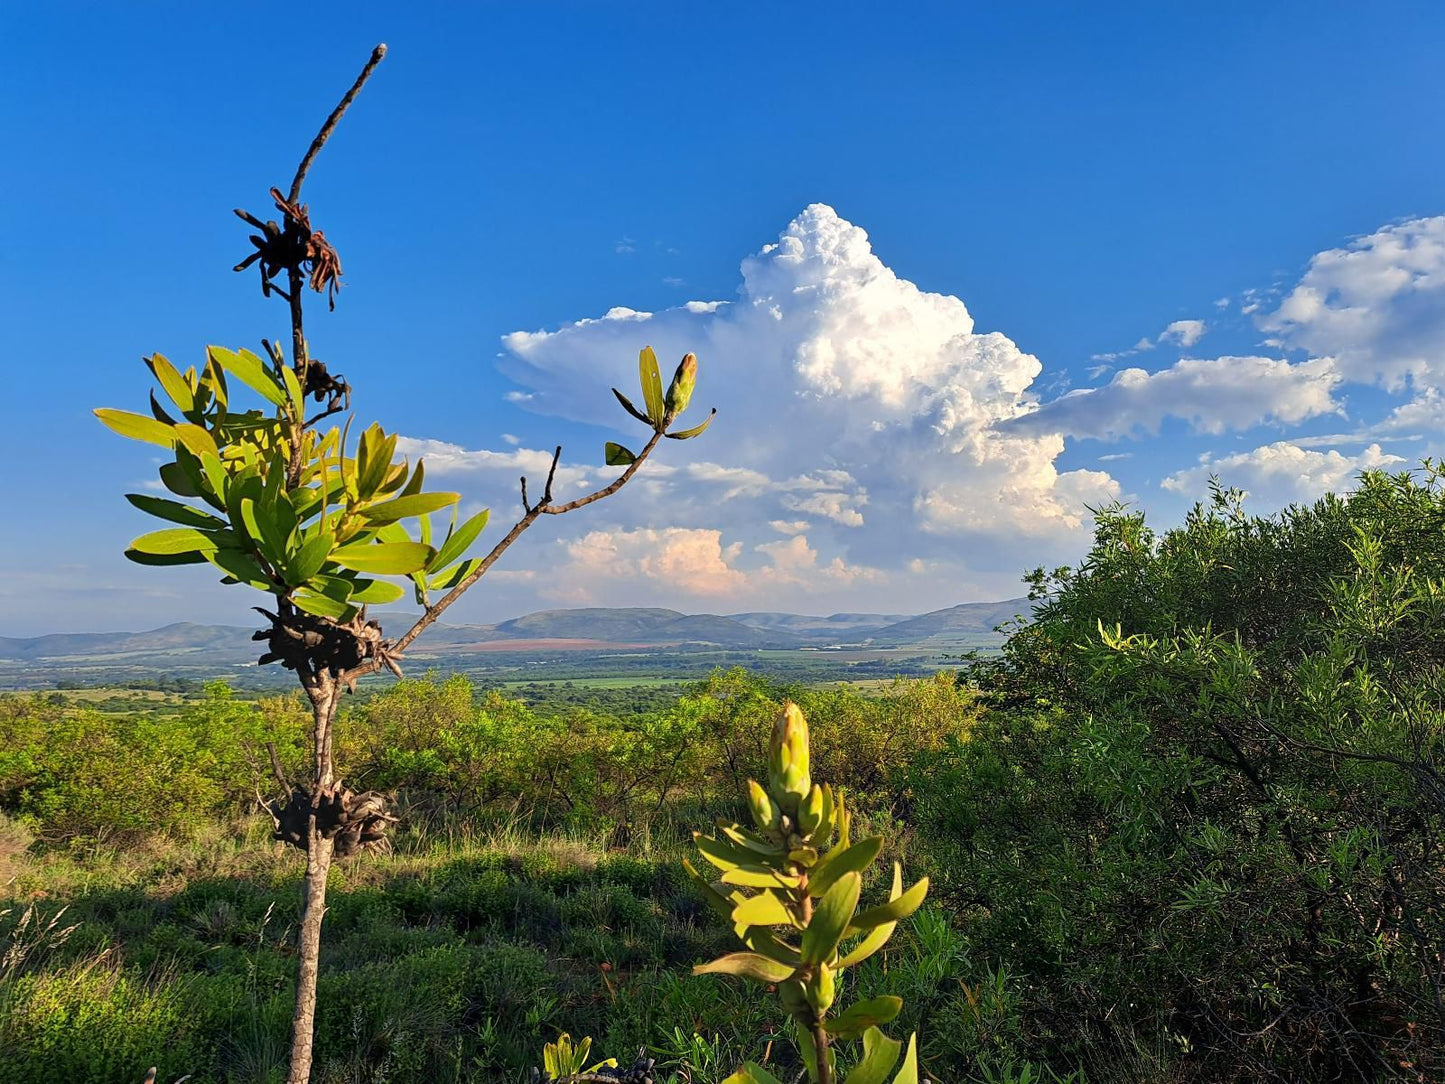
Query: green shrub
1204 828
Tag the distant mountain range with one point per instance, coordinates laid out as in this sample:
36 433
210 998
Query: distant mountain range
595 629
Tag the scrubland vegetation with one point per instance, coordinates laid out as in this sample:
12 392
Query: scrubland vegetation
1186 828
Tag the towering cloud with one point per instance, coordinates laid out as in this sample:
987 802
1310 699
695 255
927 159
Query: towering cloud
858 413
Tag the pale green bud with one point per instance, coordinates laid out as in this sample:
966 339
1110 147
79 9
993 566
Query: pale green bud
765 811
821 989
810 810
788 754
679 392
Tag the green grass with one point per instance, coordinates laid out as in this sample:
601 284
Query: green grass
454 959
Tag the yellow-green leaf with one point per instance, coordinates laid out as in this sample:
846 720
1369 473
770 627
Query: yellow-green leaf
752 1073
251 371
696 430
909 1073
864 1014
764 909
893 910
841 860
383 558
175 540
377 593
322 605
748 965
137 426
830 919
651 385
172 382
417 504
459 540
880 1055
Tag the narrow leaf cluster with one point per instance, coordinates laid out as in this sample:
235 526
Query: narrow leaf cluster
662 408
790 886
281 507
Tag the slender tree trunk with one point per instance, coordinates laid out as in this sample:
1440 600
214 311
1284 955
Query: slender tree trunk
324 697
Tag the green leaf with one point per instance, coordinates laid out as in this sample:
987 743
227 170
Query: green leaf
617 455
830 919
293 390
651 385
909 1073
158 413
322 605
807 1048
725 854
175 540
242 567
752 1073
446 579
337 587
417 504
696 430
309 558
373 460
459 540
174 511
137 427
749 965
378 593
414 484
764 909
383 558
193 557
251 371
880 1055
174 478
880 934
863 1015
715 899
758 877
627 406
841 860
172 382
893 910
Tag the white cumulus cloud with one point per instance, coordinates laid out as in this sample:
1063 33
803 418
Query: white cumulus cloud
1377 306
1184 332
1282 473
1213 395
848 398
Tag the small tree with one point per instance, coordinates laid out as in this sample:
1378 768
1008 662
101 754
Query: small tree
320 524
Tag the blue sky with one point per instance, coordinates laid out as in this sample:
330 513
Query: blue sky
974 206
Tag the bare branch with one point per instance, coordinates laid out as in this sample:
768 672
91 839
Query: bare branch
331 122
530 516
607 490
276 768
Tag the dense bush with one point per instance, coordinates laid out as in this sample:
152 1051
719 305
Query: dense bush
77 775
579 765
1203 829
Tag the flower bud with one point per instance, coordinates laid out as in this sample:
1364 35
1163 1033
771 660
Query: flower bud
810 810
765 810
821 989
679 392
788 755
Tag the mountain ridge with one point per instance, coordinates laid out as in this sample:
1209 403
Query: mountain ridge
603 626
